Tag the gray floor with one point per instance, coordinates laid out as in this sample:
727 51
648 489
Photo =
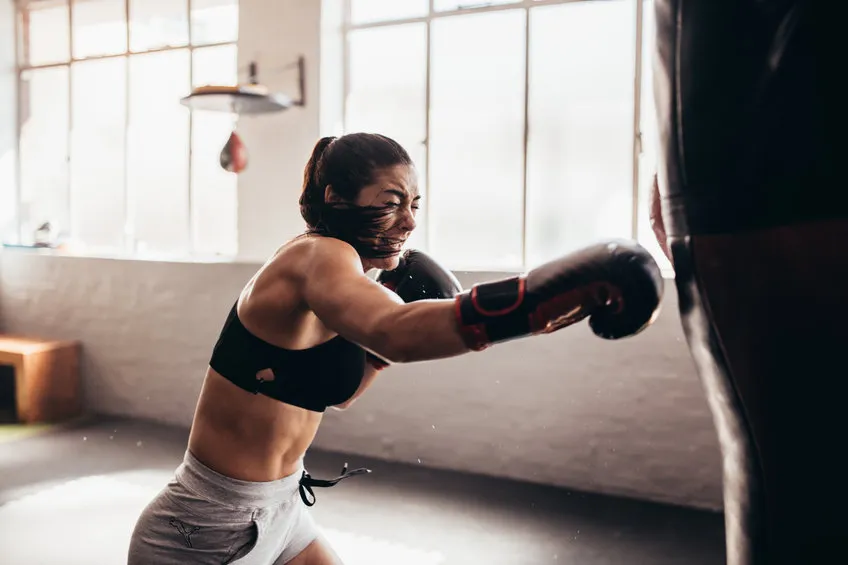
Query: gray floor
72 496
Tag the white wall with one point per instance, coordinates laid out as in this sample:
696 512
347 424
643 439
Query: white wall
8 118
274 33
568 409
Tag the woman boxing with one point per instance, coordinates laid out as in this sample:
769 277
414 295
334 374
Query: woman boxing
310 331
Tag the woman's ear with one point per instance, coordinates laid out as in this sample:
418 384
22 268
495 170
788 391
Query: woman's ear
330 196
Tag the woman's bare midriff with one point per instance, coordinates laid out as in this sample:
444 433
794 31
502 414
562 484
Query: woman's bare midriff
249 437
252 437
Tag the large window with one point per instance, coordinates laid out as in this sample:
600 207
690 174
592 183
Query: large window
107 155
530 121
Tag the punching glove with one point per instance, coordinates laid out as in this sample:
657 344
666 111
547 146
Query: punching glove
417 277
616 284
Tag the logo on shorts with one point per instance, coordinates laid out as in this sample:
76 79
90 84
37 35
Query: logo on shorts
186 531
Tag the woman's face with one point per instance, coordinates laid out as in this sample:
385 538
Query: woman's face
396 189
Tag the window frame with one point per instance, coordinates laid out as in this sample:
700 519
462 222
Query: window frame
475 7
126 248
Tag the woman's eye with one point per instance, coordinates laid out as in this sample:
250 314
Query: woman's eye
392 204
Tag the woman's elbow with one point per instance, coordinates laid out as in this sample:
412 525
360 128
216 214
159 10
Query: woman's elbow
394 349
344 405
389 343
390 354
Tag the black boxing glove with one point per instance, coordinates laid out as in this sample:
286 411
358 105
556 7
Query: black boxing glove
417 277
616 284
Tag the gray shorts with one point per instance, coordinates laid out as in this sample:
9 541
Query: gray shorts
204 517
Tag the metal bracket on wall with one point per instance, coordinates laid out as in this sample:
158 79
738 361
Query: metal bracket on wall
249 98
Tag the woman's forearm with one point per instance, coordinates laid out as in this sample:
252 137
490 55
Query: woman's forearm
421 331
367 380
617 284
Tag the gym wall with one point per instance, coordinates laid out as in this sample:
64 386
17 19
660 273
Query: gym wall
8 112
626 418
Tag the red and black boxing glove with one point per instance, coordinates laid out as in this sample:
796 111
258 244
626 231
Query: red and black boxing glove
417 277
616 284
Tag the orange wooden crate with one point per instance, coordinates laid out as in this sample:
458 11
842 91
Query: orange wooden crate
47 380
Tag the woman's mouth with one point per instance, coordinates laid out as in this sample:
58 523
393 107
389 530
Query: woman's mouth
387 246
394 245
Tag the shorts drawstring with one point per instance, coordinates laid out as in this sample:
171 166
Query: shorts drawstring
307 482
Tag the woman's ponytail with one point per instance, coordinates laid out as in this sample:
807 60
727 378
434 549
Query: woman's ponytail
312 197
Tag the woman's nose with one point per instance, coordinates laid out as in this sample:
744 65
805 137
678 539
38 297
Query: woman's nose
407 222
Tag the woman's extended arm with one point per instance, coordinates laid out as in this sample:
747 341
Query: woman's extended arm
616 284
365 312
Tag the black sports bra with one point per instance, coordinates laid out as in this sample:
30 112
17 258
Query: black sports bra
315 378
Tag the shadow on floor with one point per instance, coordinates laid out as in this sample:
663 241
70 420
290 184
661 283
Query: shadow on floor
443 518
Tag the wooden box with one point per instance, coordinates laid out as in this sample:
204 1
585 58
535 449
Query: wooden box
47 385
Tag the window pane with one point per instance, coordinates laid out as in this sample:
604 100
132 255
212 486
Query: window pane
98 99
9 143
648 126
213 190
8 195
44 30
445 5
477 139
214 21
44 150
392 103
158 23
580 152
100 27
8 128
365 11
157 152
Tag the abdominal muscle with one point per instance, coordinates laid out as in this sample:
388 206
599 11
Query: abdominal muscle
249 437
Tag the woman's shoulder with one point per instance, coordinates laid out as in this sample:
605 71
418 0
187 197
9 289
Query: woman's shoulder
305 253
314 244
299 262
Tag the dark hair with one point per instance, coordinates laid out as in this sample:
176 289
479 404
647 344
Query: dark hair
348 164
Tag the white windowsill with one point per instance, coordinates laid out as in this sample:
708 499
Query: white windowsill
667 274
156 258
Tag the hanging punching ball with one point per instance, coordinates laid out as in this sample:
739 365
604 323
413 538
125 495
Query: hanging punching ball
234 154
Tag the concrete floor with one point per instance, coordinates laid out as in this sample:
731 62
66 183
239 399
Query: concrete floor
72 496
